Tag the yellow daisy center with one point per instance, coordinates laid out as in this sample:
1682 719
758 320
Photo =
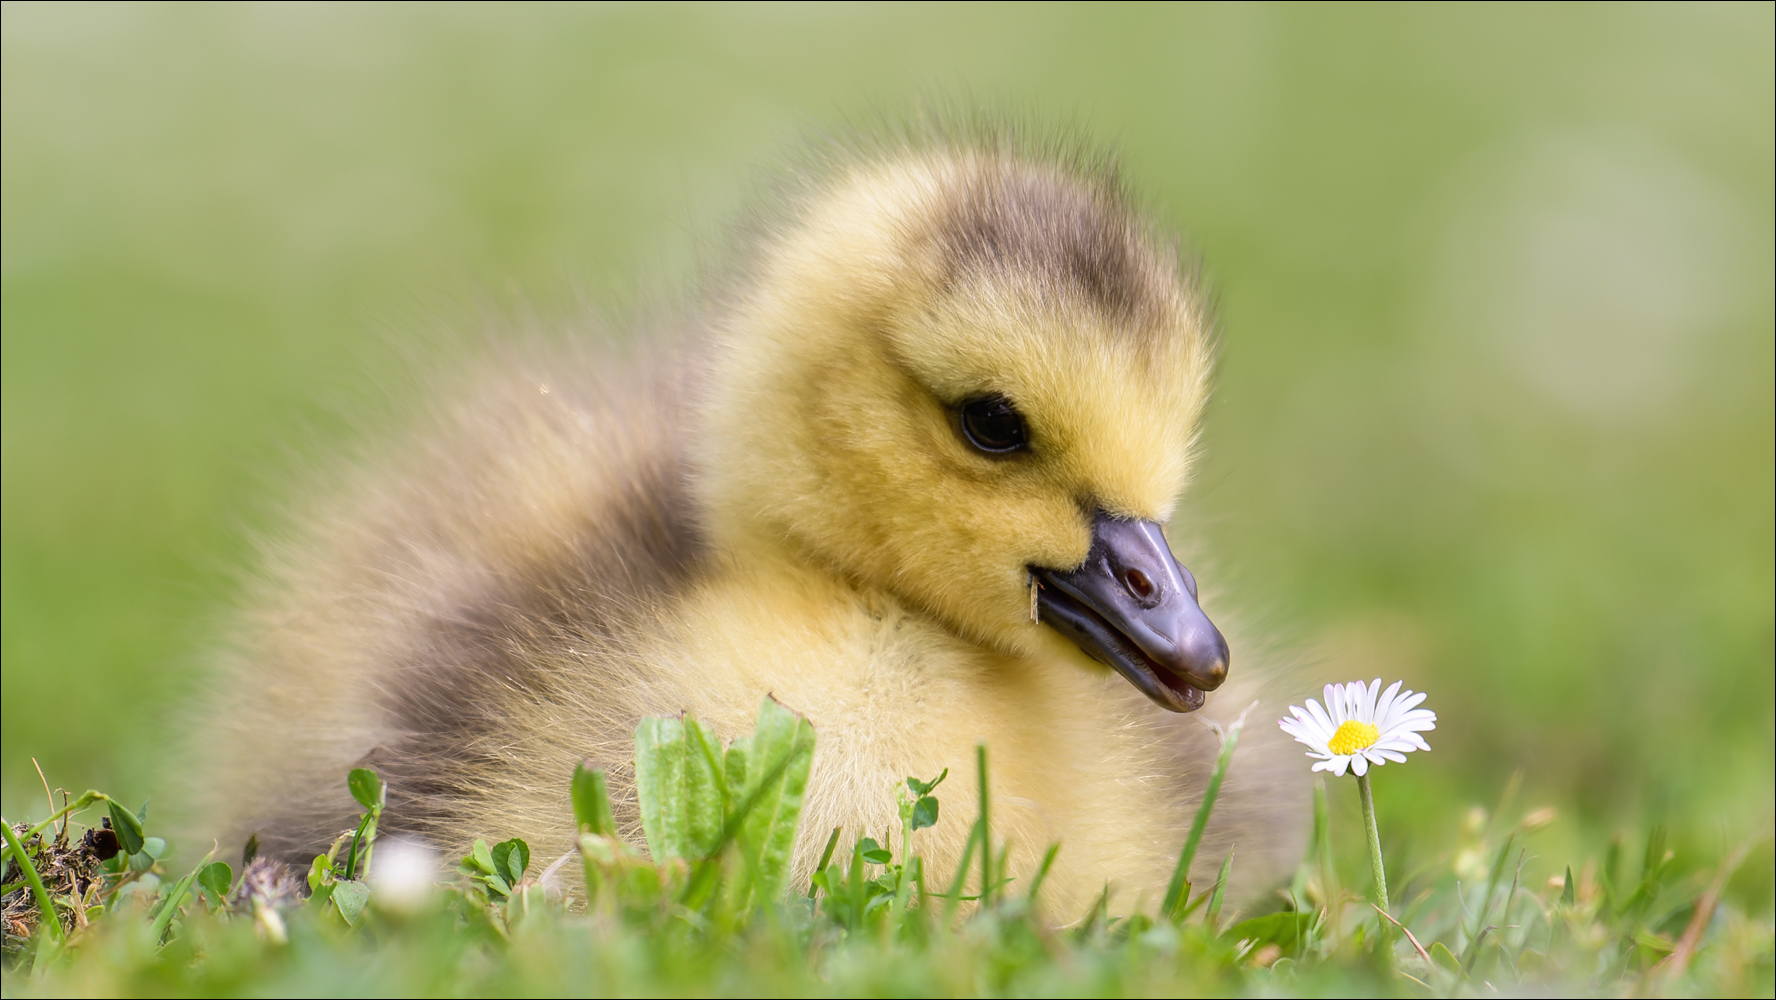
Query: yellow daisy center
1353 736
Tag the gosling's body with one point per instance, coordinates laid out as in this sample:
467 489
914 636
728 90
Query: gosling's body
778 502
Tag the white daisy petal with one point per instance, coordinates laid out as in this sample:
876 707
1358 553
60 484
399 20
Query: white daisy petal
1359 764
1305 731
1384 706
1313 721
1320 716
1401 744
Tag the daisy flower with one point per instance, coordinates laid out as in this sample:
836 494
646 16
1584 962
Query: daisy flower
1361 725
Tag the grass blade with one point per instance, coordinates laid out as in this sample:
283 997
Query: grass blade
1048 861
591 801
954 896
1213 917
825 859
169 906
1172 906
986 826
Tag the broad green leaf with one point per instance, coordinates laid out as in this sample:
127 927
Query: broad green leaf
319 873
778 758
1444 957
735 766
510 859
679 778
591 802
924 812
874 852
659 784
154 847
1280 929
366 787
349 896
127 827
705 793
216 878
481 857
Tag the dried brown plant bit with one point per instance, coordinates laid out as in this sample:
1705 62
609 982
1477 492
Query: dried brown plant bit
102 841
67 870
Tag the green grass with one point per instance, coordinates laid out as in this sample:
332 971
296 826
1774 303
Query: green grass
706 911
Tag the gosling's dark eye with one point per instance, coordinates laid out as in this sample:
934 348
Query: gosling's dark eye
993 425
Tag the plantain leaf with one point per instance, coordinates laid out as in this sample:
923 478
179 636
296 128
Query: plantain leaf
591 802
679 777
775 762
659 784
705 792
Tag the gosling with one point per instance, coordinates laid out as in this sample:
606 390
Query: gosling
910 474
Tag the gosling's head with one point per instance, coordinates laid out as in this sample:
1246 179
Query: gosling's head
956 371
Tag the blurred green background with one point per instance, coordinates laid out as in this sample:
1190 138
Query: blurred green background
1495 409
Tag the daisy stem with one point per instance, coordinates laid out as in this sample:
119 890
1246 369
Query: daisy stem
1375 866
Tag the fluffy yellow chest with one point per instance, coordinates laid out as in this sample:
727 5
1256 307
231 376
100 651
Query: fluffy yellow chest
891 695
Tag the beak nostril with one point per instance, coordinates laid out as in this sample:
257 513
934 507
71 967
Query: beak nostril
1138 584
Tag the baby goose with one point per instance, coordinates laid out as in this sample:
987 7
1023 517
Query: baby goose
909 478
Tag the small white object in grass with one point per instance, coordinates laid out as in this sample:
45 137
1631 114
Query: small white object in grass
268 922
550 879
402 875
1360 725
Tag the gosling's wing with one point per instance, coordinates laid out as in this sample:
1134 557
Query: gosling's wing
427 620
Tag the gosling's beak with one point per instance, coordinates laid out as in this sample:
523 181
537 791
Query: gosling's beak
1132 606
